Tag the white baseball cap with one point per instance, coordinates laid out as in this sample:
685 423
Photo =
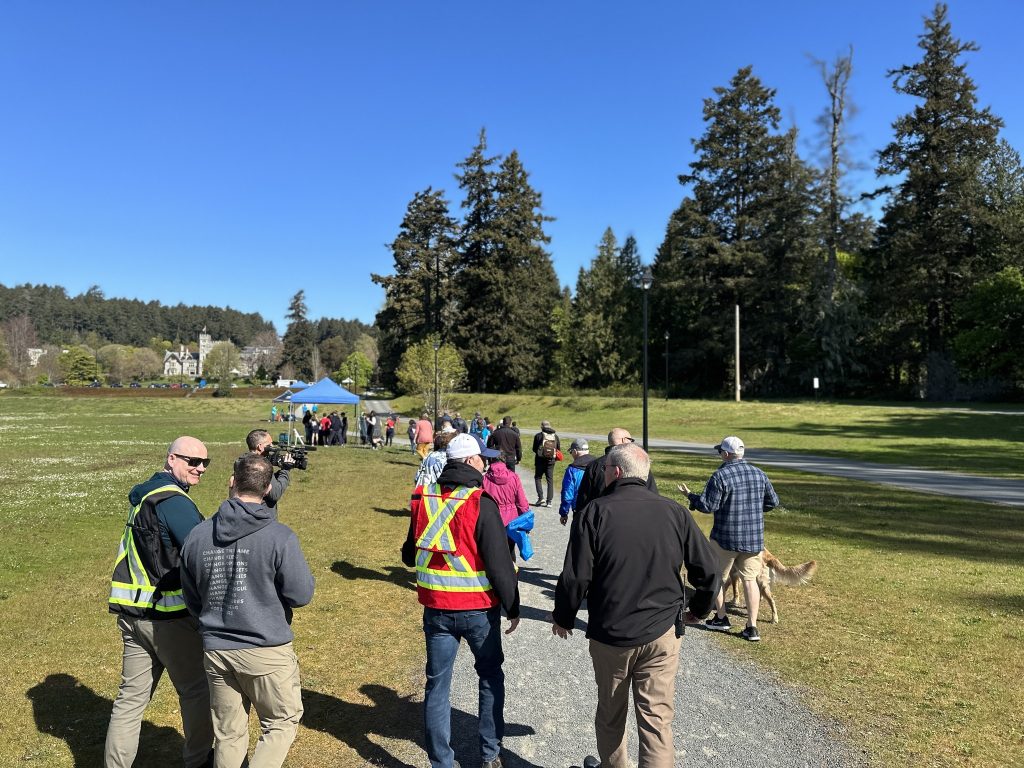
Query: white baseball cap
462 446
731 445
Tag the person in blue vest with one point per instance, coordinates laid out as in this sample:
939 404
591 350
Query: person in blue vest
157 630
464 577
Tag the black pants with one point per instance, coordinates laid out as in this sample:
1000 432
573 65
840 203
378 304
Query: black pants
543 468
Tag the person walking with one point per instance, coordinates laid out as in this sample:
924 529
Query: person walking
145 595
242 573
737 494
505 487
389 434
592 483
412 435
424 435
507 443
581 458
625 555
464 578
546 447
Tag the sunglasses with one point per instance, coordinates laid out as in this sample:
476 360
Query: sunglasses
192 461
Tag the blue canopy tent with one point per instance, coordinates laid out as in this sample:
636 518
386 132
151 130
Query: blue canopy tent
324 392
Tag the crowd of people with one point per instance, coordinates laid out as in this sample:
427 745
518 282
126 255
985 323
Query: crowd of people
210 601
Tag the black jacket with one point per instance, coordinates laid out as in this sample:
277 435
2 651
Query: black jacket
592 483
506 440
625 555
491 539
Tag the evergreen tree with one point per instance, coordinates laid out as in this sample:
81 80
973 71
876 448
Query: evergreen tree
418 297
299 338
932 243
742 237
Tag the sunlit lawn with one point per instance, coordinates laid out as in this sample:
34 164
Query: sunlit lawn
910 634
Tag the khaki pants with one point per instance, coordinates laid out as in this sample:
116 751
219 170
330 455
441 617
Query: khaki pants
651 672
424 449
150 647
267 678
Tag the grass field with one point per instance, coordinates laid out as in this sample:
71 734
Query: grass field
910 635
921 436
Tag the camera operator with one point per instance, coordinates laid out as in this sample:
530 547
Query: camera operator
259 441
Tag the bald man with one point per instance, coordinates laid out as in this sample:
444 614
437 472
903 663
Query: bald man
157 630
592 484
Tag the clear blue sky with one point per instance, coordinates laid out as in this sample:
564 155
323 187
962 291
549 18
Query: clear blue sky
231 153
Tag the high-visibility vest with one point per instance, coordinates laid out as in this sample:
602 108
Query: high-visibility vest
146 581
450 573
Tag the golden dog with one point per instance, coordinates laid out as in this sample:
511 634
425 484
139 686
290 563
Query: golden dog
772 570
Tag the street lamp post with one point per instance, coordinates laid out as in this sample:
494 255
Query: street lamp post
437 346
645 283
666 365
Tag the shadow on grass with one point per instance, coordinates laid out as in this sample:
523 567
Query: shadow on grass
68 710
392 574
392 512
880 518
994 602
391 716
919 430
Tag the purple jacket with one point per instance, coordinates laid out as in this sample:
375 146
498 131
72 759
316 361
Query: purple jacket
507 490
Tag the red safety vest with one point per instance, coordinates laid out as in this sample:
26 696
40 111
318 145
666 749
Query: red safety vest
450 573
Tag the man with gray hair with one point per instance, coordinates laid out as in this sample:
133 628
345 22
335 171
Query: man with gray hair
737 494
625 553
592 483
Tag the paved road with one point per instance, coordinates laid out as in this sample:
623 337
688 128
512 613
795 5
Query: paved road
727 713
996 490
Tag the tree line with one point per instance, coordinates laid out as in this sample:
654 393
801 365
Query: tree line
925 301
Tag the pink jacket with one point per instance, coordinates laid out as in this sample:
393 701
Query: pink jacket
507 489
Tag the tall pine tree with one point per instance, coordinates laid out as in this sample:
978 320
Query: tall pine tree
418 297
299 338
932 244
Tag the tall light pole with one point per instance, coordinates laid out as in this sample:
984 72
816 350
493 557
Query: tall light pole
646 281
437 346
666 365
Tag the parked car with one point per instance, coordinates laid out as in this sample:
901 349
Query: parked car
135 385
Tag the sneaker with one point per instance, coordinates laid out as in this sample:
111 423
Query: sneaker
547 503
591 762
539 503
495 763
718 624
751 634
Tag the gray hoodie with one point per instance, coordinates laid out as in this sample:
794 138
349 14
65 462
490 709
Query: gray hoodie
242 572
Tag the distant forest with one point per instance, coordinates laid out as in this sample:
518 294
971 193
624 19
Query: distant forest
62 319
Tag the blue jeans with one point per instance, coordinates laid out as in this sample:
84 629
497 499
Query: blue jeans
482 631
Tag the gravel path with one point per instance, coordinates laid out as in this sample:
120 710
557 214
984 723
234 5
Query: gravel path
728 712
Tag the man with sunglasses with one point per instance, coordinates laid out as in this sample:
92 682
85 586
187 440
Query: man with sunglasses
157 630
592 484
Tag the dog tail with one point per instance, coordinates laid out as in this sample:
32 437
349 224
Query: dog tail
790 575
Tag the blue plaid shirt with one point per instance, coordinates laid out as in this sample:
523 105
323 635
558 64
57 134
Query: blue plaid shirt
738 494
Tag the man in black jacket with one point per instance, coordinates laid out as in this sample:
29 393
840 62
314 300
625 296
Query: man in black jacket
592 484
506 441
625 555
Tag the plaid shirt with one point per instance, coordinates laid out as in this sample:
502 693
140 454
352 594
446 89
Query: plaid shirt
738 494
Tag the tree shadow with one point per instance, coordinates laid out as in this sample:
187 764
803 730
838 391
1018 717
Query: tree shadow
395 717
392 574
66 709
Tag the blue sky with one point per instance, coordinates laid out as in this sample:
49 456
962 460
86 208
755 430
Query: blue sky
232 153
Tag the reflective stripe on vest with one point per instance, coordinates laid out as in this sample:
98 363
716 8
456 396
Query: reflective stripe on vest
140 591
437 539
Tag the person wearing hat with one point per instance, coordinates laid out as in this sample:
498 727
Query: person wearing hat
464 578
580 452
737 494
546 446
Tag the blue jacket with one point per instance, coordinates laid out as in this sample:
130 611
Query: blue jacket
571 483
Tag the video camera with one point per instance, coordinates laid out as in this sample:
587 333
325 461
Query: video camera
278 456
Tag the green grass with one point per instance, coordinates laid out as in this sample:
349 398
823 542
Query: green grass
910 634
921 436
